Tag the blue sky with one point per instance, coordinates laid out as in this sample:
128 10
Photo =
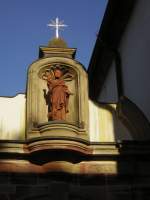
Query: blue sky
23 28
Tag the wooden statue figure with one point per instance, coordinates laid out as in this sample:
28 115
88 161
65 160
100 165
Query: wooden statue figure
58 94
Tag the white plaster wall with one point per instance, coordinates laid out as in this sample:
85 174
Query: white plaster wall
12 117
104 125
109 91
135 55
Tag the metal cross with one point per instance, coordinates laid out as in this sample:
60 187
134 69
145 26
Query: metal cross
57 25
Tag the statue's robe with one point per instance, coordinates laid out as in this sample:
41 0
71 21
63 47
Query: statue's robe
59 96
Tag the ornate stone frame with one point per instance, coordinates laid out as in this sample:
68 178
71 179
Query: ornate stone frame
53 129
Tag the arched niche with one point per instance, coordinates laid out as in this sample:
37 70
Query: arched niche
76 122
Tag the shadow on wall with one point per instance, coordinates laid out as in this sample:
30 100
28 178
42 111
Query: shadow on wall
128 121
134 119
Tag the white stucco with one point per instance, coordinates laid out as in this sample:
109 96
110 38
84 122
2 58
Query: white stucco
109 91
12 117
135 56
104 125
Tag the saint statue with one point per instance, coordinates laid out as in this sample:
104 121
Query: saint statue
58 94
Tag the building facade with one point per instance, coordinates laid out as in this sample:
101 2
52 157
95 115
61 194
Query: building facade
72 138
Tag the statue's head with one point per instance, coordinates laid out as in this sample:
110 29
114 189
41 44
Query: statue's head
58 73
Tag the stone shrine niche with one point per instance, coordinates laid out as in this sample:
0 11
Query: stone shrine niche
57 99
59 86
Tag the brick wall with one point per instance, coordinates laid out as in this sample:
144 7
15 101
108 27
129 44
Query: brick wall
64 187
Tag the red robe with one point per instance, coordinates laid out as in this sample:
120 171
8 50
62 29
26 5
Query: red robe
59 96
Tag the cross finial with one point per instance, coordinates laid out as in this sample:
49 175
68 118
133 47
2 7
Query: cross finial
57 25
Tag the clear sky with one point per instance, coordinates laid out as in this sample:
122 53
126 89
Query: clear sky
23 28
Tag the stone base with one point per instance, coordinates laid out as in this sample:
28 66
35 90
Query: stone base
58 129
74 170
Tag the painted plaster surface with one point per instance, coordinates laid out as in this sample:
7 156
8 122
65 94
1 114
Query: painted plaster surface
12 117
104 124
